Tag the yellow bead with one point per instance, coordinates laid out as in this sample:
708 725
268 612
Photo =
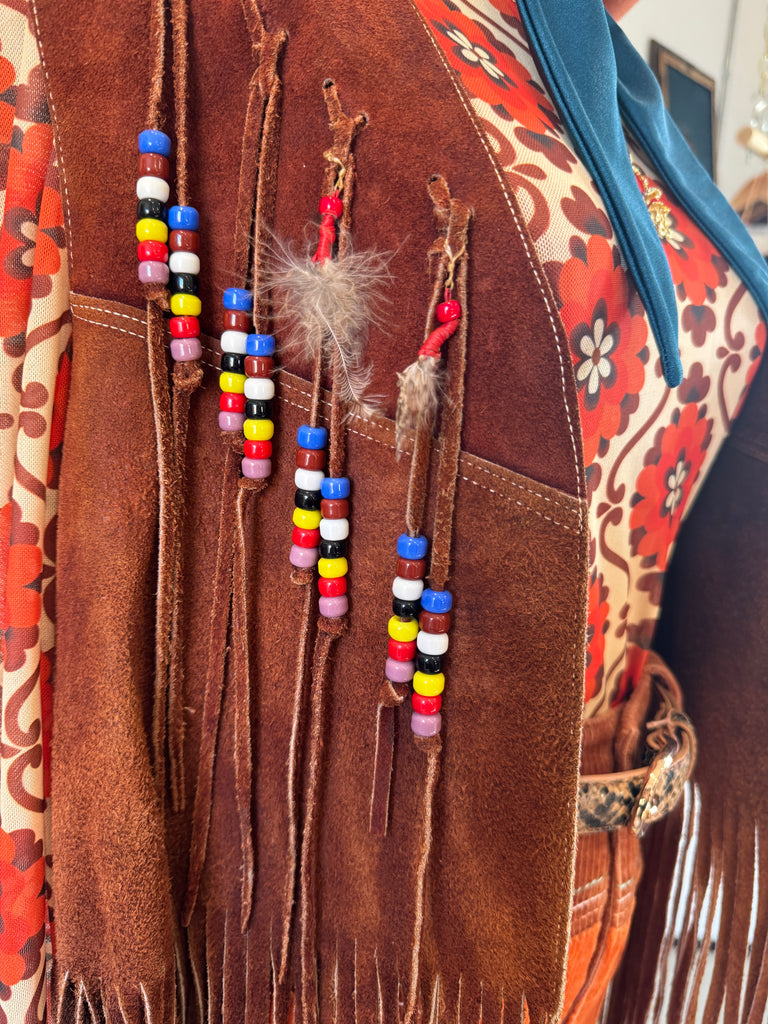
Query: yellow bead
185 305
403 629
304 518
427 685
330 568
150 230
233 382
259 430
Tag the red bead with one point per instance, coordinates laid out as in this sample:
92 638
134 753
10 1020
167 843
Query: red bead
235 320
411 568
310 458
259 366
402 650
257 449
334 508
334 587
185 327
332 205
435 622
231 402
184 241
447 311
154 251
306 538
155 165
426 705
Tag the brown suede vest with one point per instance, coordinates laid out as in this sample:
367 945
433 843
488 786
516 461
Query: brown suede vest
497 903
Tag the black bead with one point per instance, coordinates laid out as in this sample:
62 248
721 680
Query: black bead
233 363
152 208
429 663
333 548
186 284
406 609
258 410
309 500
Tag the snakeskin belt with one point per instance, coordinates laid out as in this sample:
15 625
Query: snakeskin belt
643 795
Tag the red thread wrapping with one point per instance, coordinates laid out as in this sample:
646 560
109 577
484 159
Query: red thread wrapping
327 239
432 345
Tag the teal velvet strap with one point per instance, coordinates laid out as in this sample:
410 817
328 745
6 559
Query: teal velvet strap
597 78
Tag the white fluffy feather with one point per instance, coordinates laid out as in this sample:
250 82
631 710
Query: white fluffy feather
419 389
329 306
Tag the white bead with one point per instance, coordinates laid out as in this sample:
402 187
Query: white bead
334 529
150 187
407 590
260 389
309 479
432 643
234 341
184 263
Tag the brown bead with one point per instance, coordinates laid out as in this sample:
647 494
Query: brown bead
259 366
334 508
411 568
155 165
184 241
434 622
310 458
235 320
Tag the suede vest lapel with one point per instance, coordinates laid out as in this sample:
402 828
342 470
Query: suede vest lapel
495 929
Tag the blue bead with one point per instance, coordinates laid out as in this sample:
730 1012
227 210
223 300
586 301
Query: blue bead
153 141
260 345
185 218
335 487
438 601
312 437
411 547
239 299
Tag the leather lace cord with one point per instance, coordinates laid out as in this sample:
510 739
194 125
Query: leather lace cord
230 612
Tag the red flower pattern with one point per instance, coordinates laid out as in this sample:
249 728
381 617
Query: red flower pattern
608 334
22 903
664 484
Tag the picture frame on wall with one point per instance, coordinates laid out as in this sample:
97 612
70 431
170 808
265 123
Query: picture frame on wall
689 96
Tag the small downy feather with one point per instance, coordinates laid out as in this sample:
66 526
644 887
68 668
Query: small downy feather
419 389
331 307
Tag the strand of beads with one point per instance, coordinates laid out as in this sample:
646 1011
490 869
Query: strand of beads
184 266
429 678
309 477
238 305
259 391
152 191
334 531
403 628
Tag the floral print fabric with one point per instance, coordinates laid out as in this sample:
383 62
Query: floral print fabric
34 371
647 448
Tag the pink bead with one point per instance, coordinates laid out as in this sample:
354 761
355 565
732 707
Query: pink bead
303 558
256 469
231 421
153 272
333 607
426 725
399 671
332 205
185 349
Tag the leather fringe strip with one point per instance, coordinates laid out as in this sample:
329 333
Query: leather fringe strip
257 169
344 130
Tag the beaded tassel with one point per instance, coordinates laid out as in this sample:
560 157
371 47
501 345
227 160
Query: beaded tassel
309 477
184 266
152 191
403 627
334 530
259 391
429 678
232 376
